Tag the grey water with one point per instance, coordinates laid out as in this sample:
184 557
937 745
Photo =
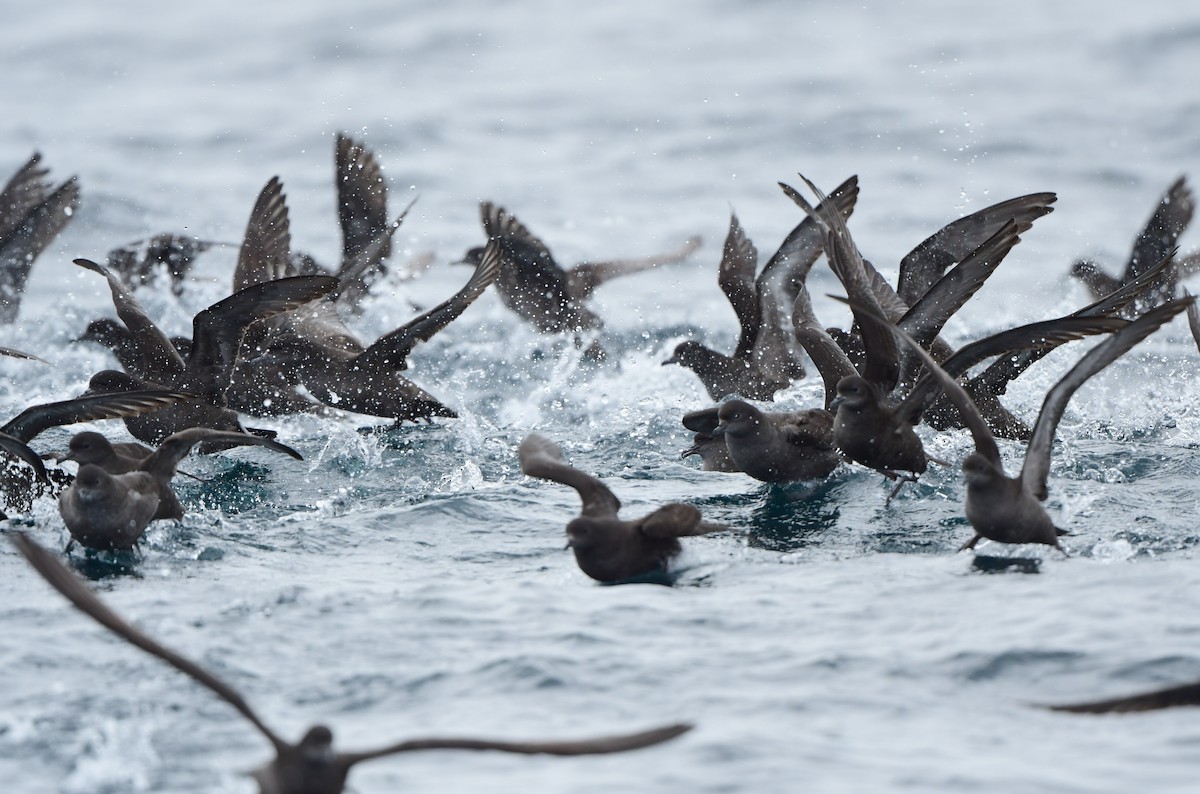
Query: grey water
410 582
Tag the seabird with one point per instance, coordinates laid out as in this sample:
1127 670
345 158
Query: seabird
110 512
922 269
1007 509
866 427
767 358
311 766
778 446
711 448
32 213
607 548
320 353
533 285
216 338
1157 239
19 488
362 214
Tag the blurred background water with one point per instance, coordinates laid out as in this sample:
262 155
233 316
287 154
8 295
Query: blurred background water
412 581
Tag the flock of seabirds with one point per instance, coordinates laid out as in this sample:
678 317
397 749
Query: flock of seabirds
278 345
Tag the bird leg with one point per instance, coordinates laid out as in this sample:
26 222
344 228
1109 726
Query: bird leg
900 478
938 461
970 544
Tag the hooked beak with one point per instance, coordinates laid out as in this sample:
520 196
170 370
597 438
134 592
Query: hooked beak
834 403
671 360
690 451
719 430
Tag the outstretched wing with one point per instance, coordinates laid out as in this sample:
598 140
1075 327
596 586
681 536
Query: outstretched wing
542 458
799 251
775 350
1185 695
583 279
267 243
161 361
996 377
1047 335
676 521
362 198
925 319
14 353
831 361
391 350
25 190
33 420
62 580
175 447
1037 458
735 276
352 277
608 744
881 367
1171 217
20 247
924 265
20 449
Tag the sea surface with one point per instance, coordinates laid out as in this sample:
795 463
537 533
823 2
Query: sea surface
411 581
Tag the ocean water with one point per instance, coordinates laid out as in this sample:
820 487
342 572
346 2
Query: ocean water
410 582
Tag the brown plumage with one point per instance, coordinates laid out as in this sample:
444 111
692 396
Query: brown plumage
711 448
111 511
767 357
1171 697
536 287
310 766
1153 244
607 548
1008 509
32 213
866 427
206 371
778 446
19 486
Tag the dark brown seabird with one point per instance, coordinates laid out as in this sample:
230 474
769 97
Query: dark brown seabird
778 446
19 489
1007 509
32 213
313 348
929 279
607 548
329 361
866 427
534 286
110 512
362 215
206 372
1156 240
767 357
311 766
92 447
711 448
